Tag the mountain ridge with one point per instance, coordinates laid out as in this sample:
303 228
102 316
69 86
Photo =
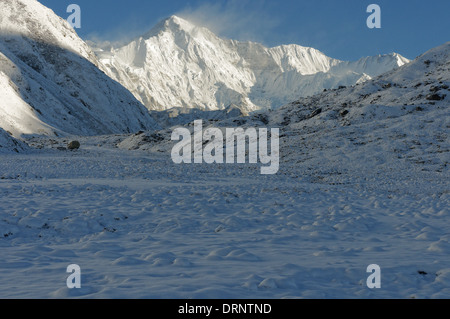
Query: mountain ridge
179 64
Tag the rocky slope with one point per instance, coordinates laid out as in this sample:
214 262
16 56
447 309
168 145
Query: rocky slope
9 144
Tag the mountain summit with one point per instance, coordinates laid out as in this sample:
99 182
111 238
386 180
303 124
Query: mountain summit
173 24
180 64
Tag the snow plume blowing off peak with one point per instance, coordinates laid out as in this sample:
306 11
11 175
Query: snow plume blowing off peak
183 65
51 83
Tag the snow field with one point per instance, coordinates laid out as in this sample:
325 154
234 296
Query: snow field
142 227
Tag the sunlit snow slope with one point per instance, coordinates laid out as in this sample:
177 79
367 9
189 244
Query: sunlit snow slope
50 82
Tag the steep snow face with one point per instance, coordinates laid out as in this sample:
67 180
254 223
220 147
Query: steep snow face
16 115
178 64
50 81
30 19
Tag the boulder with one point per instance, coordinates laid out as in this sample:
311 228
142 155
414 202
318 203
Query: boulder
74 145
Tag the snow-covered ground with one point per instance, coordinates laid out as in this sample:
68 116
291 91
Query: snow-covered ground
140 226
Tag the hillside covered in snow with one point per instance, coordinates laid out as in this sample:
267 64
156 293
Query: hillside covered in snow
178 64
390 132
50 82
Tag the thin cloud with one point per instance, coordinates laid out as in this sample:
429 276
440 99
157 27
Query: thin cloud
245 20
239 20
121 34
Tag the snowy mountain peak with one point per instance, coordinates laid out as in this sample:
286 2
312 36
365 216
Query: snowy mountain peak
173 25
179 64
401 60
175 22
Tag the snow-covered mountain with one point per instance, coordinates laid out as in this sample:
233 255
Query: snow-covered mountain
396 122
50 82
179 64
422 84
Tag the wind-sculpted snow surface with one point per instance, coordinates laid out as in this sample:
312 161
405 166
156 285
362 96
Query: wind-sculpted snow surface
178 64
50 81
140 226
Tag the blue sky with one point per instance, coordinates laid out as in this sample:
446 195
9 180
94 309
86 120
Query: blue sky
337 28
